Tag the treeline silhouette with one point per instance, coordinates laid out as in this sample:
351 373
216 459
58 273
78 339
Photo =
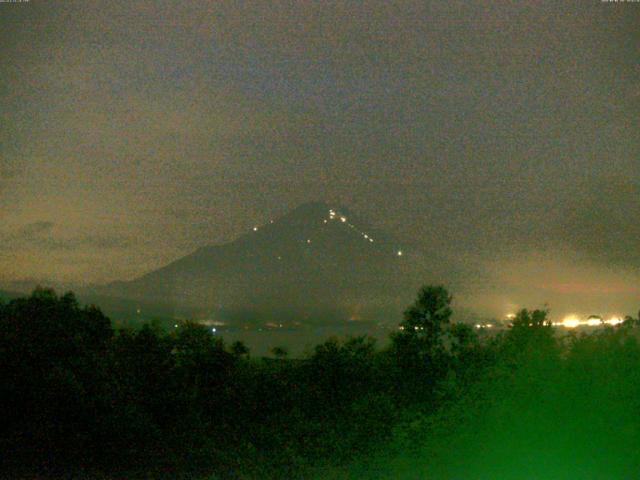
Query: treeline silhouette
79 399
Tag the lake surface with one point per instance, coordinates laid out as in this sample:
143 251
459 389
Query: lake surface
300 341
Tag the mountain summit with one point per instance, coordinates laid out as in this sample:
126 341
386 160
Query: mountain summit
317 262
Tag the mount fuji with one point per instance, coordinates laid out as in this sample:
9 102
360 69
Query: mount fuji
315 264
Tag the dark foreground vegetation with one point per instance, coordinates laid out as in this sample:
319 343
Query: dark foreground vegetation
80 400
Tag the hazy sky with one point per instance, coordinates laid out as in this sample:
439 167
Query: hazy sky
503 135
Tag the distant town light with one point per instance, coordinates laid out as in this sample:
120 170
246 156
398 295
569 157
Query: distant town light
255 229
399 253
571 322
614 321
308 240
594 322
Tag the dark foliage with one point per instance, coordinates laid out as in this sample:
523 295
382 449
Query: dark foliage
79 399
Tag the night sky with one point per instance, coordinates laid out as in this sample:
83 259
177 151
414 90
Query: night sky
501 135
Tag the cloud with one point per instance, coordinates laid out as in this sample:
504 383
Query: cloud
40 235
602 221
477 130
26 234
31 230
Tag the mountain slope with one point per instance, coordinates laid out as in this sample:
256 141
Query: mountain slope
315 263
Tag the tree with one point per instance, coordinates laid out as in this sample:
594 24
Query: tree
238 348
424 322
279 352
530 327
462 338
631 322
419 346
530 335
52 353
429 314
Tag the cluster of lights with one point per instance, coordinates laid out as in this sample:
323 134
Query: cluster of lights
569 322
333 215
273 325
572 322
415 328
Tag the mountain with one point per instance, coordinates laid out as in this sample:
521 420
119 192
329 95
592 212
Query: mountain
317 263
